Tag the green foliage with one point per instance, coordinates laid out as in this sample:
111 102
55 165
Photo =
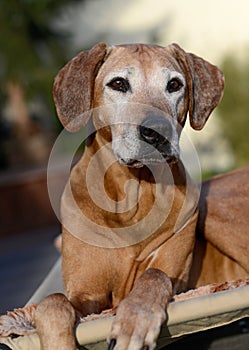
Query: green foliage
234 108
32 48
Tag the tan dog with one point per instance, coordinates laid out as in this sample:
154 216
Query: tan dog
120 256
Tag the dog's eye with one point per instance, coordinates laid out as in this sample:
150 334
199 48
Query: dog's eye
119 84
174 85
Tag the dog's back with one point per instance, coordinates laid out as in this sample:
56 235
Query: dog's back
222 245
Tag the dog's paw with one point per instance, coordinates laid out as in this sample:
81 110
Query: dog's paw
136 326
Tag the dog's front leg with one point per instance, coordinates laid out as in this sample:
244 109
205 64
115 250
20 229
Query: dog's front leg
55 318
140 315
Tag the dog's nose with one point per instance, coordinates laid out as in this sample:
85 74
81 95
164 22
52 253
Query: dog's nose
156 131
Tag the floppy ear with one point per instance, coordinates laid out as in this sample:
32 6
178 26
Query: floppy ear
205 85
74 85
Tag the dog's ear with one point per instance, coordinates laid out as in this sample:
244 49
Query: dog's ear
74 85
205 85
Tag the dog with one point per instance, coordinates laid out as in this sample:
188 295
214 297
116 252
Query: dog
132 249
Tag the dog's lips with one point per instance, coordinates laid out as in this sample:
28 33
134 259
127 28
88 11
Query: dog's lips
134 163
164 159
148 156
172 159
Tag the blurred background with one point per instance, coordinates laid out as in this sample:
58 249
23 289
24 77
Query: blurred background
37 38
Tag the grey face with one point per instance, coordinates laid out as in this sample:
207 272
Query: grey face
150 138
145 106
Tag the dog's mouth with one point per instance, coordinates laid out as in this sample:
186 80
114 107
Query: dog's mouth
134 163
154 141
147 155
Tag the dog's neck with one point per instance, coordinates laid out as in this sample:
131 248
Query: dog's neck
138 201
125 189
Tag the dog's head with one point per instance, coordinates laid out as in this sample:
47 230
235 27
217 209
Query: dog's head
141 95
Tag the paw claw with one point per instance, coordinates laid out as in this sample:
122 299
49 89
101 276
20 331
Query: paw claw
4 347
145 347
112 344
